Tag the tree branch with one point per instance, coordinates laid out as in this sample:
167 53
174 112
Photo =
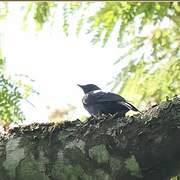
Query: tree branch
132 148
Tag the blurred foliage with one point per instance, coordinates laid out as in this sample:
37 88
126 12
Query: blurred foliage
41 12
10 99
175 178
61 114
147 34
149 37
13 91
3 10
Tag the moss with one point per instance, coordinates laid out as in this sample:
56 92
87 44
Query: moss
75 155
99 153
66 171
132 166
78 144
62 136
158 139
101 175
14 154
42 162
115 164
60 155
31 169
2 149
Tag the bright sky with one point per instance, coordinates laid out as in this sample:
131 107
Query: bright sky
56 63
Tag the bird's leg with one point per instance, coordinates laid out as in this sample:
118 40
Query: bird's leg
98 114
94 118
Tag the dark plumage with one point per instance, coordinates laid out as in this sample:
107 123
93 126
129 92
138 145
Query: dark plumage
97 102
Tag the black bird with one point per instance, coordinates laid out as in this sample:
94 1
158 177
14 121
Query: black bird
97 102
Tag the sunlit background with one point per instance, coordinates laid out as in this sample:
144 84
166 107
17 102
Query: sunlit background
129 48
55 63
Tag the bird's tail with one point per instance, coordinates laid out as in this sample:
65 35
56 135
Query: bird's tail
130 106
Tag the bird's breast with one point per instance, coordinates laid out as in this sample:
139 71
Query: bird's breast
88 99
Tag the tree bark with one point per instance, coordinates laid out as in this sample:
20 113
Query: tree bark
145 146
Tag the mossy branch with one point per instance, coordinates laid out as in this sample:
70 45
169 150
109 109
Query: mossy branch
133 148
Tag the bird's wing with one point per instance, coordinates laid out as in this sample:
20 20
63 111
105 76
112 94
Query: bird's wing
100 96
128 105
108 96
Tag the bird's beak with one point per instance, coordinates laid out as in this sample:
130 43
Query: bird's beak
80 85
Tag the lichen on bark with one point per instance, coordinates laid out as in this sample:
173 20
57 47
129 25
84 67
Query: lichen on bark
132 148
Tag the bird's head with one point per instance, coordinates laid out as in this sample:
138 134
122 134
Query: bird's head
89 87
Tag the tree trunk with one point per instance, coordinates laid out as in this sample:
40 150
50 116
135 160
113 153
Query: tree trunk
145 146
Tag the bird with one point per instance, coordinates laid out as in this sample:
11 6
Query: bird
98 102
